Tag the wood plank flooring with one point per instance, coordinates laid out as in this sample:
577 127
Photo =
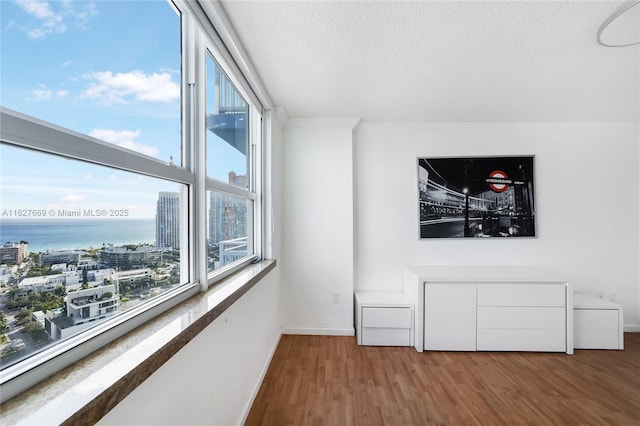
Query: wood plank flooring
329 380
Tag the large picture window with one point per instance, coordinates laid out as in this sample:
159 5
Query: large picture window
103 194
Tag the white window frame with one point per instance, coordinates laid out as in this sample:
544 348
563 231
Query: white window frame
207 47
28 132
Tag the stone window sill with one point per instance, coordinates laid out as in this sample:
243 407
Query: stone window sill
84 392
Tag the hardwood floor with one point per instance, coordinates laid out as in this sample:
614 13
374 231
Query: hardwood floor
327 380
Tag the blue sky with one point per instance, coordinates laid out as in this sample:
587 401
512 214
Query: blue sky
109 69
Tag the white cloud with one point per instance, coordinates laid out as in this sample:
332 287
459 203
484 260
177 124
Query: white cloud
134 85
37 9
125 139
83 16
50 16
50 22
42 93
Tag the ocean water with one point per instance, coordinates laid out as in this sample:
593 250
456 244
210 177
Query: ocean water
66 234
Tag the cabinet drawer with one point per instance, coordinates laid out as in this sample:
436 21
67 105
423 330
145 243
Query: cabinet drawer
386 336
521 295
386 317
509 339
521 317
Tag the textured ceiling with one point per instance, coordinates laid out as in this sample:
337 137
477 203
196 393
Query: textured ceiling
440 61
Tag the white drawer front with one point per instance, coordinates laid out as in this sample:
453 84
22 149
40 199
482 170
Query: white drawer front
521 295
537 340
521 317
386 336
386 317
596 329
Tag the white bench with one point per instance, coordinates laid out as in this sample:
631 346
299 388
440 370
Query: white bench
598 323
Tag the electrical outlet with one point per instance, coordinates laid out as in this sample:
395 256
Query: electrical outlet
335 297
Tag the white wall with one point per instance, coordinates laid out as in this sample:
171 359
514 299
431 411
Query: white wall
587 190
317 253
214 378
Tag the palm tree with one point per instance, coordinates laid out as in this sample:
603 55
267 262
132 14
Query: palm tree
12 293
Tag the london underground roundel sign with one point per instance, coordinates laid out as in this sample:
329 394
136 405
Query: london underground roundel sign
498 181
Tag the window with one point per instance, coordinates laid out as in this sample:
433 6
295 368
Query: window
101 188
229 169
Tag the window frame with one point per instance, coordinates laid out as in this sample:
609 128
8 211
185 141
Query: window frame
28 132
208 48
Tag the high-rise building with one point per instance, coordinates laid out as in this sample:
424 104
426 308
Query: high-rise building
238 180
13 252
228 214
168 220
217 203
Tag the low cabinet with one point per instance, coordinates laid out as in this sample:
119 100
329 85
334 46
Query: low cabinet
598 323
384 319
490 308
495 317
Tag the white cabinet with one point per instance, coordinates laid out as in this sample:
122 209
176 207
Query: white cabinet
490 308
598 323
384 319
494 317
450 317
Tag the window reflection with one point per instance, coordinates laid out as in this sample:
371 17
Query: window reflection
227 125
229 221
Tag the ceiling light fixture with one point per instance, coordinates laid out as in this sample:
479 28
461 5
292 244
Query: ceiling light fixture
622 28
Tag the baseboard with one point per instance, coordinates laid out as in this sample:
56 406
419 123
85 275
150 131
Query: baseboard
631 328
319 331
256 389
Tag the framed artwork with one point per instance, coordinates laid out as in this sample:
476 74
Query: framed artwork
476 197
